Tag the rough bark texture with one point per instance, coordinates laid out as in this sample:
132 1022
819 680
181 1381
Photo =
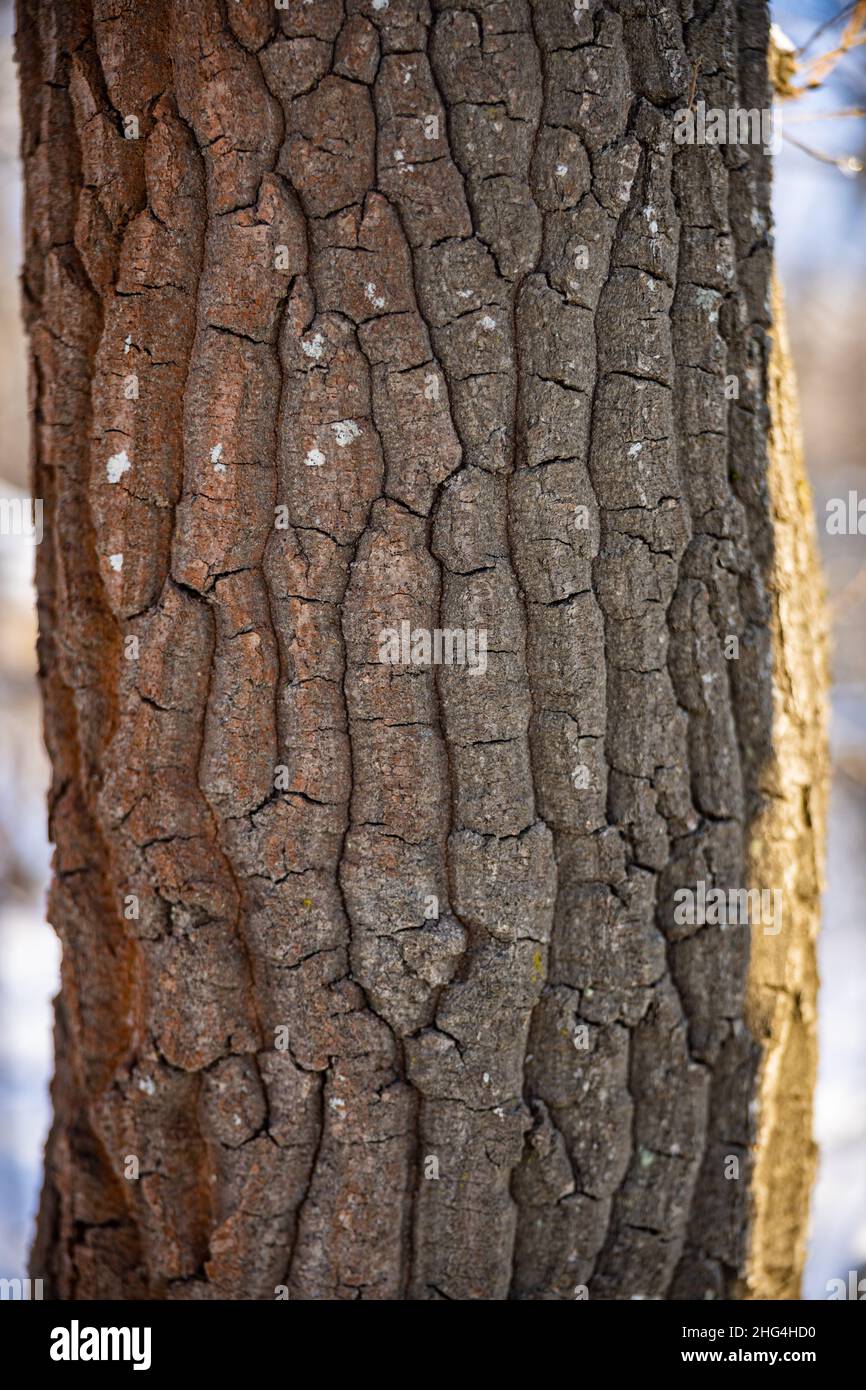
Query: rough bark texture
344 261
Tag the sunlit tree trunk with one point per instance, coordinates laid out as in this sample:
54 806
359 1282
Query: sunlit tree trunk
353 323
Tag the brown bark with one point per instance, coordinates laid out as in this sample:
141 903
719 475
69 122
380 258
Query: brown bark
317 354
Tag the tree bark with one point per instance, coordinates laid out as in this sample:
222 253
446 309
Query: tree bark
373 985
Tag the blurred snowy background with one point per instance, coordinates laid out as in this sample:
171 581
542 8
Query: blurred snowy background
821 249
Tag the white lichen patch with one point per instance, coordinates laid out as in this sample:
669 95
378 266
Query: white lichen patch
345 431
117 465
216 454
709 301
116 562
315 458
488 324
313 347
649 215
377 300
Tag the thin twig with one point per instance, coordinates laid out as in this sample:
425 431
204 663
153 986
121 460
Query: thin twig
693 86
852 37
828 24
800 116
847 164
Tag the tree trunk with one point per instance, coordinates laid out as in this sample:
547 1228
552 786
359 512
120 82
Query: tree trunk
350 316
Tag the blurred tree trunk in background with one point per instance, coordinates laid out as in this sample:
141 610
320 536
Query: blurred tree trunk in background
351 315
